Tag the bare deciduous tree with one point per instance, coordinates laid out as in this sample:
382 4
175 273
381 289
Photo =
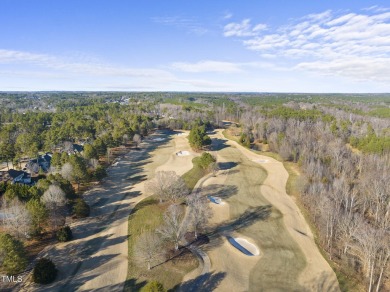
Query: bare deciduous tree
167 185
383 257
67 171
348 226
54 199
285 150
366 249
199 212
93 162
16 218
68 146
173 229
148 249
125 138
214 168
137 140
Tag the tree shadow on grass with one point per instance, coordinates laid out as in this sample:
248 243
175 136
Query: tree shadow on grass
173 255
137 178
131 285
205 282
219 191
218 144
249 217
227 165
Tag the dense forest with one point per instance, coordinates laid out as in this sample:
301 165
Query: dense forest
341 144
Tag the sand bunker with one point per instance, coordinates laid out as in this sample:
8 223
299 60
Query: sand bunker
158 139
260 160
183 153
216 200
244 246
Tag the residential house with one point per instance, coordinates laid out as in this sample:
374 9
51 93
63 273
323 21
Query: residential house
42 162
78 148
19 176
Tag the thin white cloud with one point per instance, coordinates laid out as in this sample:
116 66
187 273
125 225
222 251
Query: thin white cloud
243 29
207 66
75 67
376 8
99 76
358 68
189 24
223 67
227 15
354 45
198 83
319 17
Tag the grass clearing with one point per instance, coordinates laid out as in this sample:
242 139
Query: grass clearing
147 216
281 256
294 188
192 176
231 134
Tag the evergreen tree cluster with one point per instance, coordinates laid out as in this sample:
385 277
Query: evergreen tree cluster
198 137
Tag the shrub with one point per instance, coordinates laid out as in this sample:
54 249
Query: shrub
64 234
245 140
100 172
81 208
205 160
44 271
153 286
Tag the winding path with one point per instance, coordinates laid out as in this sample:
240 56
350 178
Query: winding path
313 273
96 260
317 269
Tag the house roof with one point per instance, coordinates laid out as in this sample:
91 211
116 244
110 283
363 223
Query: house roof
16 173
41 159
78 148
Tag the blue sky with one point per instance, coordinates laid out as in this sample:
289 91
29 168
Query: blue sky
264 46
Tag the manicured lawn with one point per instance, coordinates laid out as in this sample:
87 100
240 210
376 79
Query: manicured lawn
229 135
294 188
192 176
147 216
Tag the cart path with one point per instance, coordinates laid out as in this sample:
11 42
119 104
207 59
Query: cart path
97 258
317 270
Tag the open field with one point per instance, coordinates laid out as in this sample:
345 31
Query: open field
316 271
281 258
294 184
256 209
192 176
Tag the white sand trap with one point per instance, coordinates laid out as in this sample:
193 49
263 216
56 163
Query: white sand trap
158 139
260 160
215 200
183 153
244 246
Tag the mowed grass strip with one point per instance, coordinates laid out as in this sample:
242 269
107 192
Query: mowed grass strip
148 216
294 187
192 176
